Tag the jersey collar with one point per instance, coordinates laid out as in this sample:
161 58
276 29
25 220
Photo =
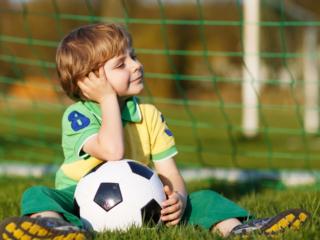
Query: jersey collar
130 112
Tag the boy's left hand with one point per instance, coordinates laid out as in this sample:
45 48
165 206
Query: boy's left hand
173 207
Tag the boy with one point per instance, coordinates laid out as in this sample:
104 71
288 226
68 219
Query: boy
98 69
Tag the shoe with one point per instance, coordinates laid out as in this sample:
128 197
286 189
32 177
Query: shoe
26 228
292 218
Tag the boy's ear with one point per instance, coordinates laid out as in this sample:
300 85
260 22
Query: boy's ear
101 71
98 71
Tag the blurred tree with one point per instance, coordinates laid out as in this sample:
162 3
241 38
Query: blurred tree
6 68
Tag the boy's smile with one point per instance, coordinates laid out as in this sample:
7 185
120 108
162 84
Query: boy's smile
137 80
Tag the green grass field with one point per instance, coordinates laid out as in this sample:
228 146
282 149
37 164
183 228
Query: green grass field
258 199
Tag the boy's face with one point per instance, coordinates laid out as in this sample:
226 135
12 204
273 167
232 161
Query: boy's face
125 74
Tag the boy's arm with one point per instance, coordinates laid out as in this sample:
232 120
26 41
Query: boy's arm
174 206
170 175
108 144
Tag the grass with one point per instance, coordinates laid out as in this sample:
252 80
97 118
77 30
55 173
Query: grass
258 199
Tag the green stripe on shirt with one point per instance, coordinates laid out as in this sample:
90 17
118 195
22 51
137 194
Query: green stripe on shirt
165 154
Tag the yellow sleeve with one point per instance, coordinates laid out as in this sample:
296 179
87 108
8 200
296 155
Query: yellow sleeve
161 138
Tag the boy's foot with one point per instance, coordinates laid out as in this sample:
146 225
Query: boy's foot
26 228
292 218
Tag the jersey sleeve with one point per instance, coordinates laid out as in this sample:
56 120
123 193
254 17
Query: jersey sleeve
78 125
161 137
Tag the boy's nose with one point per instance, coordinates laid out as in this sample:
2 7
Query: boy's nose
137 66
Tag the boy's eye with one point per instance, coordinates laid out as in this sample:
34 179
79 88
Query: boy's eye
120 65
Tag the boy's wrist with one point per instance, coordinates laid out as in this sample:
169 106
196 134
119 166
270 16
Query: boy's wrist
106 98
182 196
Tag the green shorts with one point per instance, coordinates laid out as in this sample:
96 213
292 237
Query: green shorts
204 208
39 198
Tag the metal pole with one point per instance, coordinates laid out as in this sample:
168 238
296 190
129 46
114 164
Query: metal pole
311 84
251 81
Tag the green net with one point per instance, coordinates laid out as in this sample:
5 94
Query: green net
194 58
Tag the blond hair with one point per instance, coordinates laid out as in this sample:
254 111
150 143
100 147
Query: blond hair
85 49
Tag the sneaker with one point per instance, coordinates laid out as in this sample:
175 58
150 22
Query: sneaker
292 218
26 228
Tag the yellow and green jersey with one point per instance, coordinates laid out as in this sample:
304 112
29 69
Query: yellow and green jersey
147 137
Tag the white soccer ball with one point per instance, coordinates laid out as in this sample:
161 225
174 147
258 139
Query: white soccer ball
118 195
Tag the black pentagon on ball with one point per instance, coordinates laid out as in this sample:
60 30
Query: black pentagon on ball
151 213
141 170
108 195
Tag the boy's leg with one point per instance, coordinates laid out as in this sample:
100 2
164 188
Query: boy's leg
214 212
41 199
48 214
292 218
207 208
52 217
27 228
210 210
225 227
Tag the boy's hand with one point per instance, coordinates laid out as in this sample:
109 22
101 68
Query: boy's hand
95 87
173 207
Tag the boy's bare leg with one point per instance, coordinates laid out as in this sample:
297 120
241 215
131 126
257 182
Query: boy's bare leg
49 214
224 227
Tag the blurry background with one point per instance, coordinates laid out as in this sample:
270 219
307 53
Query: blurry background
237 81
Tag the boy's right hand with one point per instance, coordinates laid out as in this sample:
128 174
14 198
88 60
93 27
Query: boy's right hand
96 88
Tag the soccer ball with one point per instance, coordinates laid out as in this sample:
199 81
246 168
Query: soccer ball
119 194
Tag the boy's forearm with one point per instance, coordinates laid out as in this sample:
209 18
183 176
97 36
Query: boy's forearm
175 181
110 136
178 184
170 175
